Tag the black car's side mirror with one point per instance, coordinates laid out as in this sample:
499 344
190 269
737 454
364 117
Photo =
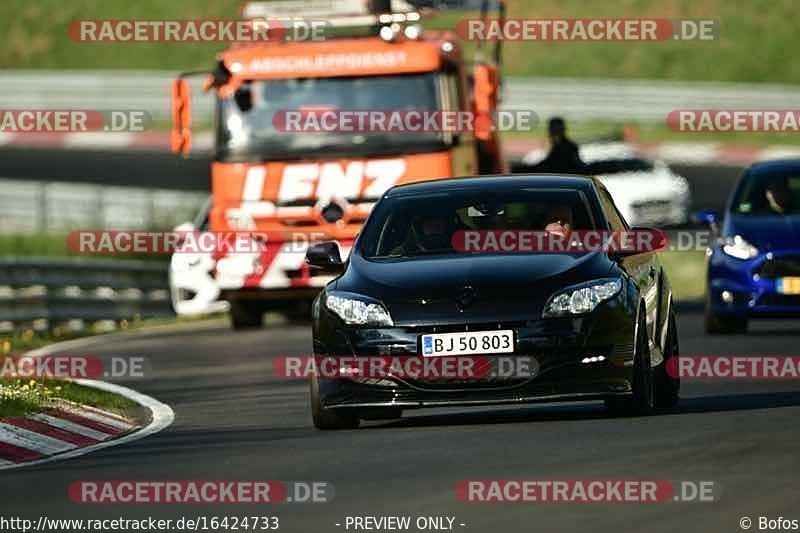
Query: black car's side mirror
325 255
643 240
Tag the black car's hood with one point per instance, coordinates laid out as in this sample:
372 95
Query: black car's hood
470 288
766 232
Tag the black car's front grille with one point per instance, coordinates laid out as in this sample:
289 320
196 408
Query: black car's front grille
457 328
780 267
467 383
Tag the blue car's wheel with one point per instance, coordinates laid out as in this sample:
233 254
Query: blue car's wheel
718 324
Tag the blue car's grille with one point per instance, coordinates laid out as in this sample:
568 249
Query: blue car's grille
780 267
780 299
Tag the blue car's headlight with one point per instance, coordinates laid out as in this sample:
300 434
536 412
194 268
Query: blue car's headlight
582 299
739 248
358 310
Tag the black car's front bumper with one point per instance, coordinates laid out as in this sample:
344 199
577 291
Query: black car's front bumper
558 347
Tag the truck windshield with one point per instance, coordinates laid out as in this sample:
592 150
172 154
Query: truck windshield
246 132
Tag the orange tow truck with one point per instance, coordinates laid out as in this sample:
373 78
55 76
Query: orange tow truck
282 184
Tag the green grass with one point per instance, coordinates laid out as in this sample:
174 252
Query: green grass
22 397
686 271
55 245
756 43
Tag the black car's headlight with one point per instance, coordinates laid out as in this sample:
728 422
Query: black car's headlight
739 248
582 299
358 310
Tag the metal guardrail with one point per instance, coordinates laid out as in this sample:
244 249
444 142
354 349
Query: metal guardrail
42 292
53 207
576 99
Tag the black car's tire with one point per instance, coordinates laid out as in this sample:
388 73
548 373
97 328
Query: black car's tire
641 401
246 315
325 418
716 324
382 413
667 388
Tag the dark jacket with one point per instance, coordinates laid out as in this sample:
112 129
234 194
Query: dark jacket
562 158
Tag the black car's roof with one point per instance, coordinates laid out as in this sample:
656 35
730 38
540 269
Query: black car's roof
495 183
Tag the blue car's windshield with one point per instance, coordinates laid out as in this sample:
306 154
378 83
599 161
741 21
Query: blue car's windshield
768 194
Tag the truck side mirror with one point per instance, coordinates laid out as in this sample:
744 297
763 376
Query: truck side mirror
485 95
181 134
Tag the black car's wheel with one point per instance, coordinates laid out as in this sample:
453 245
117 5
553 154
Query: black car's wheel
246 315
716 324
325 418
667 388
641 401
382 413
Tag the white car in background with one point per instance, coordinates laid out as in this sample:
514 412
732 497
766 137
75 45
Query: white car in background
646 192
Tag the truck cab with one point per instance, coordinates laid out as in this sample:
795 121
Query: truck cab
292 188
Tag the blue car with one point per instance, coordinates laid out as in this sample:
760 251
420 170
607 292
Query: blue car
754 264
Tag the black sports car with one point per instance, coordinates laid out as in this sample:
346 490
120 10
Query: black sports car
597 325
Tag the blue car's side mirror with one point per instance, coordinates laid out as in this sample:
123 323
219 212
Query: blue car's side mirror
707 216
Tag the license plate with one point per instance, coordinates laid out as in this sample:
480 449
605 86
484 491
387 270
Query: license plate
789 285
468 343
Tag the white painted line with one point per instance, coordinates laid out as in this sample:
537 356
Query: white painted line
6 137
106 414
688 152
112 422
99 139
72 427
162 416
778 152
32 440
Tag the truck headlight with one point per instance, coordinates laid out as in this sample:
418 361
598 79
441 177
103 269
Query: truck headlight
739 248
581 299
358 310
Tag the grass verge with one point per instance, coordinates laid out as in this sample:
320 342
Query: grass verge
752 47
22 397
687 274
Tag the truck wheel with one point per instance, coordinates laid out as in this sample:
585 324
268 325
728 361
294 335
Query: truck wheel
298 313
246 315
325 418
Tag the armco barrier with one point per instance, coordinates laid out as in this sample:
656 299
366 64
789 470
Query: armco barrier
575 99
42 292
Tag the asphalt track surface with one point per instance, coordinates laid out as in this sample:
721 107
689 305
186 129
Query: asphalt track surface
710 184
236 421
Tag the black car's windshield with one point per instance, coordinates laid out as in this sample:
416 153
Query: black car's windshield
245 129
768 194
408 226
